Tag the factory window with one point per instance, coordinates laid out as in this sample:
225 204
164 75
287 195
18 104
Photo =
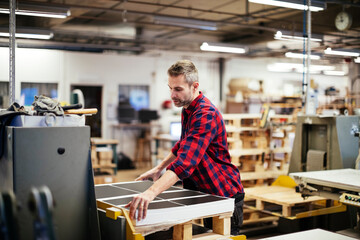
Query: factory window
135 95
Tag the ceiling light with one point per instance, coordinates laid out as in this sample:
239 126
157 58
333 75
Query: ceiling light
335 73
301 56
184 22
315 6
28 33
274 68
357 60
296 36
37 10
298 67
221 48
339 52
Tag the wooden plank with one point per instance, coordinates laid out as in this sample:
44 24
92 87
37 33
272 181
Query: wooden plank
229 116
255 191
282 150
246 176
260 220
243 129
183 231
81 111
286 211
221 225
260 204
101 141
248 151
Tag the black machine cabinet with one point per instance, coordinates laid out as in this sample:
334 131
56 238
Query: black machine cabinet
58 157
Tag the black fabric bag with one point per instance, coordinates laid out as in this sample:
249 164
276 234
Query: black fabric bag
124 162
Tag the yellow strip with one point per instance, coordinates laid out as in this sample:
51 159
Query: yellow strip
113 213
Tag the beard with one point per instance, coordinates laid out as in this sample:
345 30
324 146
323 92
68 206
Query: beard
181 103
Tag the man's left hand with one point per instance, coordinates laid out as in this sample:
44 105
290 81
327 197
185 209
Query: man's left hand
140 202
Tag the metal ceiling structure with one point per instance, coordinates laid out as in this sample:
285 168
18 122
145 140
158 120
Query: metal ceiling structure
145 26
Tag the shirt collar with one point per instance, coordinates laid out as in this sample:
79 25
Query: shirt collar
193 104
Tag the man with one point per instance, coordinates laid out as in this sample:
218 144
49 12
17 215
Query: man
200 158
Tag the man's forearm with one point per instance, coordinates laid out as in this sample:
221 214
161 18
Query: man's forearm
167 160
166 181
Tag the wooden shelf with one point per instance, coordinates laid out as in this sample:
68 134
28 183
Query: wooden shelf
111 144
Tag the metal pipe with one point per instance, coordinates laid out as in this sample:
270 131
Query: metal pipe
12 31
309 109
221 76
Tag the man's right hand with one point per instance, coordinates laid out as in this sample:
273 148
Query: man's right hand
153 174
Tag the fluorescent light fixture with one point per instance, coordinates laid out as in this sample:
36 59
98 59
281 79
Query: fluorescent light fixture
301 56
274 68
340 52
28 33
184 22
335 73
221 48
298 67
357 60
37 10
315 6
279 35
312 71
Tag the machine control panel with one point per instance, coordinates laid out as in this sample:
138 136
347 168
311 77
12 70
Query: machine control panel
350 199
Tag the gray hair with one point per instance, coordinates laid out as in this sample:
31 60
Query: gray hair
186 68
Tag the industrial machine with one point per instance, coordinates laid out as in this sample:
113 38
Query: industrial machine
323 143
59 158
323 159
342 185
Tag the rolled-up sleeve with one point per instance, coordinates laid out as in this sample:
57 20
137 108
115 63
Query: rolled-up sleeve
175 148
190 150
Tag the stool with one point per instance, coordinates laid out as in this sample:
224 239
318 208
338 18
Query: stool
143 152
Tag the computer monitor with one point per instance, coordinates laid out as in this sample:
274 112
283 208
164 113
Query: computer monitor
126 114
175 130
146 115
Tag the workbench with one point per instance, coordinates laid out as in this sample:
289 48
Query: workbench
339 184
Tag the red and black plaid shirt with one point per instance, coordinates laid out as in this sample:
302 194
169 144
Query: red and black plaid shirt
202 151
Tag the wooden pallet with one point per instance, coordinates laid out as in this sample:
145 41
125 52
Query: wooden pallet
242 120
221 229
255 217
284 201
